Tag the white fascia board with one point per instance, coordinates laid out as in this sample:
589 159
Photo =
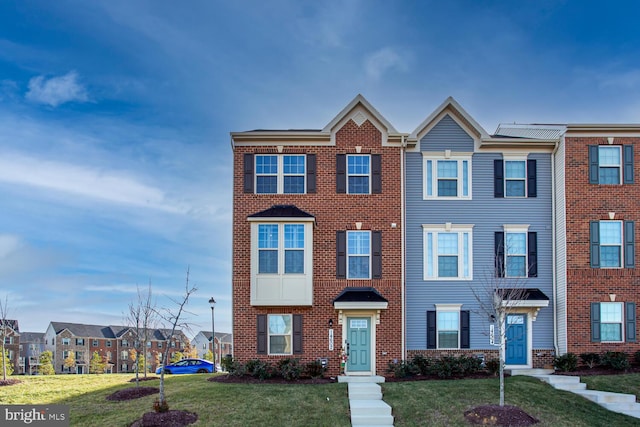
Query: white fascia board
355 305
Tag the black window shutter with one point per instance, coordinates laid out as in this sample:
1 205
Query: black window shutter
431 329
595 322
376 173
248 173
297 334
630 332
341 173
532 254
499 248
465 335
593 164
594 243
498 178
262 334
311 173
628 164
532 181
341 254
629 244
376 254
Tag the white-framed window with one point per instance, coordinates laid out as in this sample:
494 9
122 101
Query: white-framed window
94 343
515 177
79 341
448 326
358 174
65 354
159 344
611 244
79 355
125 343
448 252
447 177
280 334
108 343
281 248
124 367
358 254
516 253
609 164
8 340
280 174
611 318
66 341
124 354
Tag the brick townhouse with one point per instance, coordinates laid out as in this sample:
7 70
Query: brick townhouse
317 242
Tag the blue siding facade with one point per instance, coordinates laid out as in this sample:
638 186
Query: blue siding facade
487 214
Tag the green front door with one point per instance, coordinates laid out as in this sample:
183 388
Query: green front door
359 339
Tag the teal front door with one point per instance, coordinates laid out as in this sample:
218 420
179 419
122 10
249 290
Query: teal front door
359 344
516 339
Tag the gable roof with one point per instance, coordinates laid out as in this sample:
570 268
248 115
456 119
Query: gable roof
34 337
12 324
451 107
82 330
282 211
359 100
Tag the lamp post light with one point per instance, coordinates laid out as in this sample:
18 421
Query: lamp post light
212 303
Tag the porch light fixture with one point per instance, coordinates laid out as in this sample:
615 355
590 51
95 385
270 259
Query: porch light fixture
330 323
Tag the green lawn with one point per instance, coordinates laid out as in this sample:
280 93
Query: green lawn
420 403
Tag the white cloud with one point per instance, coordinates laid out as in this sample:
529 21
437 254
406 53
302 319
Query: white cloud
382 61
108 186
56 90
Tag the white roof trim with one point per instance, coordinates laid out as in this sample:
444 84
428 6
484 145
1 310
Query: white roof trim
360 305
359 99
448 103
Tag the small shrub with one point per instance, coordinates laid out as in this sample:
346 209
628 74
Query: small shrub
469 364
259 369
492 366
636 357
160 407
447 367
422 364
566 363
228 362
616 360
401 369
289 369
314 369
590 359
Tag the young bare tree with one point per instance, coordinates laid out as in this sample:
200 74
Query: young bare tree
142 318
498 296
5 326
173 318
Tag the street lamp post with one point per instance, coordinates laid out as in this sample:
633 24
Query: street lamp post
212 303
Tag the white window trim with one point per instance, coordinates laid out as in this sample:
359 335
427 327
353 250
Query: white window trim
281 249
620 163
347 174
622 321
280 173
359 255
517 228
621 245
447 155
515 158
448 228
279 335
448 308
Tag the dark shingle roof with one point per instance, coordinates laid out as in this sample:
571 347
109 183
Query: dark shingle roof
82 330
27 337
282 211
533 294
359 294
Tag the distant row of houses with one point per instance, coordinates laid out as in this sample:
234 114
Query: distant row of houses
115 344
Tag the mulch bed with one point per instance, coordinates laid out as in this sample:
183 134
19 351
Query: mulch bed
477 376
132 393
170 418
495 415
133 380
9 382
584 371
247 379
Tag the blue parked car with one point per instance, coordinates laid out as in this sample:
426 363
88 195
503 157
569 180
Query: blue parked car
188 366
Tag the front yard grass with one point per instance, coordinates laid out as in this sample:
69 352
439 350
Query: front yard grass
419 403
629 383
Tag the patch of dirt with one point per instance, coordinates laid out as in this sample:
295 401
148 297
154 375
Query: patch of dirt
495 415
132 393
9 382
172 418
133 380
247 379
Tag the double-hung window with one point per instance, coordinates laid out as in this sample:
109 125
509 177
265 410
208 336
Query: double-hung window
278 173
447 252
358 174
66 341
359 254
612 244
516 252
611 164
613 322
515 176
79 341
448 327
277 239
448 178
94 343
280 333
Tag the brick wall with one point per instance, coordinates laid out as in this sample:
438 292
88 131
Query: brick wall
332 212
589 202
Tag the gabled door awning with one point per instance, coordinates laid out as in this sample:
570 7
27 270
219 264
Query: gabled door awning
360 298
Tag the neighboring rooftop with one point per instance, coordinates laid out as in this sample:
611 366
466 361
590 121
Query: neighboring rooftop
530 131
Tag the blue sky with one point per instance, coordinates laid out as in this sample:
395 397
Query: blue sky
115 158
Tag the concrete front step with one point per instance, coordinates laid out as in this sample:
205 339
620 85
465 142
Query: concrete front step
602 397
361 379
364 391
620 407
529 372
369 407
371 420
568 383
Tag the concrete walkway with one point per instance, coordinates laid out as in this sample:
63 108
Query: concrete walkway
617 402
365 401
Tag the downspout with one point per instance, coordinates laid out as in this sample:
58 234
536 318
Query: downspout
402 251
554 279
